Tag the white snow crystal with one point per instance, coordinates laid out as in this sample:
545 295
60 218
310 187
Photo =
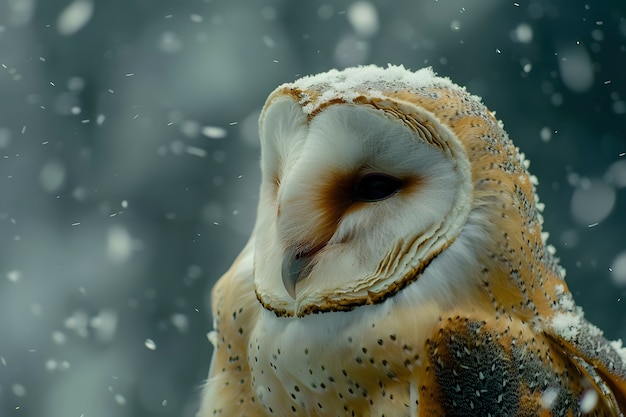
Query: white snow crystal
548 397
520 155
567 325
149 343
541 207
566 302
212 336
213 132
619 348
589 400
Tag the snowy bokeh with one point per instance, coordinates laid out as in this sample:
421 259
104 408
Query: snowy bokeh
129 165
592 202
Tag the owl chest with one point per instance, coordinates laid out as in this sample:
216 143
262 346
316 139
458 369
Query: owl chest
317 371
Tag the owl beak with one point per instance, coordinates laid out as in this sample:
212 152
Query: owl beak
292 270
296 266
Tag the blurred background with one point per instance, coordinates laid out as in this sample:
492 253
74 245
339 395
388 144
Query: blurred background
129 165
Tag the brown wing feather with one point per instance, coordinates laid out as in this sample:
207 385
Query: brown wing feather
479 366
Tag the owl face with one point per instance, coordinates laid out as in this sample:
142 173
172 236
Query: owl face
358 196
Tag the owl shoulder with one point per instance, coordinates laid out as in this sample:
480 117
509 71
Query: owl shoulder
480 365
228 390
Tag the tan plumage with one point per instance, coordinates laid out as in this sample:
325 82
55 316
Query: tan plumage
398 267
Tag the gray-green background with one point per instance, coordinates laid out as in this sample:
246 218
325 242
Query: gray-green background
129 165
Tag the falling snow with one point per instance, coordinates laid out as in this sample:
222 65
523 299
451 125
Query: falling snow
127 184
52 176
150 345
18 390
616 174
548 398
576 68
363 17
545 134
588 401
523 33
120 244
214 132
75 16
592 202
119 399
104 325
618 269
14 276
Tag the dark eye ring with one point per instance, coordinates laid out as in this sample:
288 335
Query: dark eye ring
375 187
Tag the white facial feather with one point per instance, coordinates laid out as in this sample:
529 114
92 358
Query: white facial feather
310 207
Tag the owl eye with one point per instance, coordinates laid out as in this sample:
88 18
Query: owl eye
375 187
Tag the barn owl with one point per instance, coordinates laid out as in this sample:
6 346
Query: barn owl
398 267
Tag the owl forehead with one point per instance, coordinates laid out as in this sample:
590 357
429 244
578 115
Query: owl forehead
318 98
356 85
353 135
345 139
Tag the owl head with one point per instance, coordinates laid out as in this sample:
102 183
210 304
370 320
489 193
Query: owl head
378 179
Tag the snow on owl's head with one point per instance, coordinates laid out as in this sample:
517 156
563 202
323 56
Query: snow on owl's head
371 176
